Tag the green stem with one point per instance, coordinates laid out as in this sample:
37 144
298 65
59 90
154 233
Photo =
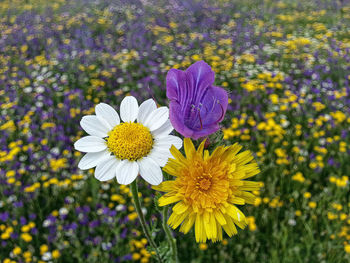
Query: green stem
137 203
171 239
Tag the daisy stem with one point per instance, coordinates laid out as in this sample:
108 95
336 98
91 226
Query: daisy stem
137 203
171 239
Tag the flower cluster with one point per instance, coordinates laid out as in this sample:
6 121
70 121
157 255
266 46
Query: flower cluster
285 67
207 187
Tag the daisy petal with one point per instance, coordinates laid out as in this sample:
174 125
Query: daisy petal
107 113
169 140
129 109
145 110
106 169
94 126
150 171
157 118
160 157
163 130
90 160
176 141
90 144
127 172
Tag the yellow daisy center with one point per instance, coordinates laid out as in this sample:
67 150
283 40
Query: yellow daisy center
130 141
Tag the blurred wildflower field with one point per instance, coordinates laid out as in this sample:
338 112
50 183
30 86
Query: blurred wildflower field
286 66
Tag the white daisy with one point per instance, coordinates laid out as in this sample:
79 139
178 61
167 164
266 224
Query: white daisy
126 149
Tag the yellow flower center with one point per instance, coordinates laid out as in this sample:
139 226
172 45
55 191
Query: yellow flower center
130 141
206 185
203 183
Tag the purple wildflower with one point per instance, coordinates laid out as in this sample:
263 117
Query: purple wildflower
4 216
196 106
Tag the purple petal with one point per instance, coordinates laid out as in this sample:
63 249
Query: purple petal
215 101
177 119
176 85
205 131
209 112
200 77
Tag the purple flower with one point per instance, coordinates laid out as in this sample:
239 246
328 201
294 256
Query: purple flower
196 106
4 216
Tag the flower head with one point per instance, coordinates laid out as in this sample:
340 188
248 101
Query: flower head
126 149
207 189
196 106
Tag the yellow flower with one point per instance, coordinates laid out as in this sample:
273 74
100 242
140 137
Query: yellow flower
17 250
26 237
43 248
207 189
298 177
258 201
56 254
307 195
58 164
203 246
312 204
27 254
25 228
347 248
136 256
251 223
343 216
132 216
144 241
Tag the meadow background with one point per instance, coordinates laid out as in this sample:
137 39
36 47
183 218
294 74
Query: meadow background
286 66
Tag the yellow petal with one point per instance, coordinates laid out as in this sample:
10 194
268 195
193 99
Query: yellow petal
180 208
243 158
241 224
239 173
229 228
199 230
235 213
234 149
217 152
166 200
251 169
208 228
219 232
175 220
219 217
250 186
248 197
201 148
206 155
206 217
237 200
213 226
189 148
165 186
188 223
177 154
172 167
